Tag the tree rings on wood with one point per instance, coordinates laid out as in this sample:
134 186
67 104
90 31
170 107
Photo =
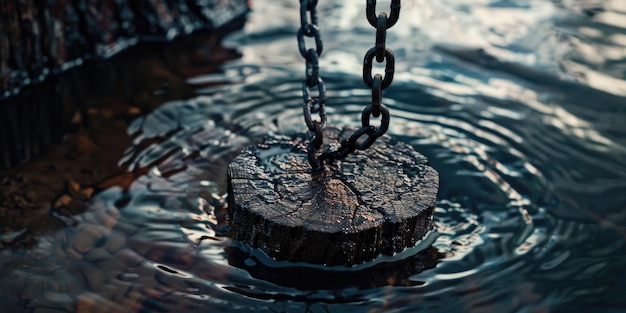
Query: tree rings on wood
377 201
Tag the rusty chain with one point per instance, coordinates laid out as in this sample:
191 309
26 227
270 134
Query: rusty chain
376 83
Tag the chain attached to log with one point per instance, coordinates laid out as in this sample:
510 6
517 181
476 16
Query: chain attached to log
376 83
308 28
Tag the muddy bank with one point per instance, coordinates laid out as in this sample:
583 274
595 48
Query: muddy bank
53 41
98 105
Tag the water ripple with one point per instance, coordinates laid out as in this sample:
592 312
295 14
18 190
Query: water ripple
519 107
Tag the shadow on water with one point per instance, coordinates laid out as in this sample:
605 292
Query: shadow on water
520 108
393 272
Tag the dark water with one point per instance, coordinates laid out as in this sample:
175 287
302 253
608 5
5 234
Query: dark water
519 105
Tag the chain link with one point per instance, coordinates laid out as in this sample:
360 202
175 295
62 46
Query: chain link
311 105
365 136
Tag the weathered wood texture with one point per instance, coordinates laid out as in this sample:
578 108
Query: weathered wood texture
41 37
377 201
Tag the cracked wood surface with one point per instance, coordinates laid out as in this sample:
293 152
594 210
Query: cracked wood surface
376 201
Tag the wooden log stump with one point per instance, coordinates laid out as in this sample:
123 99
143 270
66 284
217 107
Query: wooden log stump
377 201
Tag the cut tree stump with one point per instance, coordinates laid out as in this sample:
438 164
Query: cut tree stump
377 201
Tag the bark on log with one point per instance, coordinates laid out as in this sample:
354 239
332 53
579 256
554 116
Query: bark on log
377 201
41 37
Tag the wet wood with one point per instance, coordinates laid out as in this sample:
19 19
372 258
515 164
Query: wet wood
378 201
41 37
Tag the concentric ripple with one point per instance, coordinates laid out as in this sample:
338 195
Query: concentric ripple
518 107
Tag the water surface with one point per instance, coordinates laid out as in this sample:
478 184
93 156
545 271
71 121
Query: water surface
519 105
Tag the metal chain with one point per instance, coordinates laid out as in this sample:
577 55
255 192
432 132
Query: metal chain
376 83
311 105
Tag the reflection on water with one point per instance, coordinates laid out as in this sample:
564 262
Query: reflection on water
519 107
